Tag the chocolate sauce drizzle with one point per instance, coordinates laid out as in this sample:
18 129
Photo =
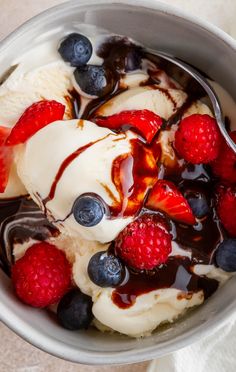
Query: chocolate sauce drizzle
132 174
175 273
65 164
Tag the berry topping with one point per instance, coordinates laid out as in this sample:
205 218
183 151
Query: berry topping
226 255
76 49
95 81
198 201
144 243
88 210
42 276
6 158
35 117
75 310
165 197
145 122
224 166
198 139
226 209
106 270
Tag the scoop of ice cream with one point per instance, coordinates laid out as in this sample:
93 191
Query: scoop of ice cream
38 74
163 102
77 157
150 309
23 88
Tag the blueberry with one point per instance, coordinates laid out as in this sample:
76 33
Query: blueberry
75 310
106 270
76 49
88 210
226 255
94 80
198 195
198 203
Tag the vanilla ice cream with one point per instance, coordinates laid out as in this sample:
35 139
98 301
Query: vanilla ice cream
89 172
163 103
25 87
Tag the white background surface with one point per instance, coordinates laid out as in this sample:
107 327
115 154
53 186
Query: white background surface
15 354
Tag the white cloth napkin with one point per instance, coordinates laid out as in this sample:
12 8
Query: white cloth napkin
216 353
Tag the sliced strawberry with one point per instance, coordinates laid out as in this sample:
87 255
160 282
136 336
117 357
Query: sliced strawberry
145 122
35 117
6 157
166 197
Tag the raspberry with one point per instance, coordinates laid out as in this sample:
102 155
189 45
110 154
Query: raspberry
198 139
42 276
144 243
224 166
226 209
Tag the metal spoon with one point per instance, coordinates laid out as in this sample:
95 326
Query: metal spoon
191 79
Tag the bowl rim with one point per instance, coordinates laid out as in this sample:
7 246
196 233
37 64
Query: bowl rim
51 345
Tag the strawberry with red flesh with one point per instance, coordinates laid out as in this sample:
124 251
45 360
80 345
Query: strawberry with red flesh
145 243
35 117
6 158
224 166
198 139
165 197
145 122
42 276
226 209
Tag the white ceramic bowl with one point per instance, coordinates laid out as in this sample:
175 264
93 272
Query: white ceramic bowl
157 26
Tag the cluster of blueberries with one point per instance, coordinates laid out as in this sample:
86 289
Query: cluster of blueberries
93 80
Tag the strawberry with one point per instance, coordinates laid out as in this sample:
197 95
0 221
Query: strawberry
42 276
198 139
35 117
224 166
144 243
145 122
6 158
165 197
226 209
